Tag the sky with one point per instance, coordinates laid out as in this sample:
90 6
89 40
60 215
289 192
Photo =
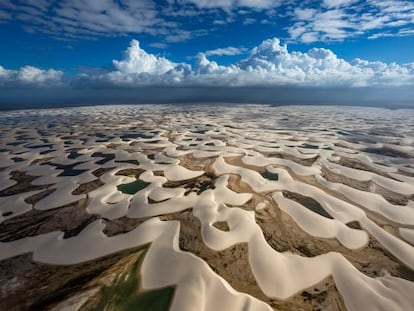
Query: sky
80 50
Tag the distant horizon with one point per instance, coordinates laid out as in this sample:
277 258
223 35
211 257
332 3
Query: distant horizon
29 98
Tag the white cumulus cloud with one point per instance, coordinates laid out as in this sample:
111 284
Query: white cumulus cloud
138 61
30 76
270 63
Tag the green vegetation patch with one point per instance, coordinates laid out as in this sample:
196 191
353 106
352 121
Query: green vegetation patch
133 187
124 294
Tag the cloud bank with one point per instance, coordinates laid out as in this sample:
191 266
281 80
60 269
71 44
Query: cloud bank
269 74
269 64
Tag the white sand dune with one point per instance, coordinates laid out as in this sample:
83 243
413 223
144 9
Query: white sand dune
75 153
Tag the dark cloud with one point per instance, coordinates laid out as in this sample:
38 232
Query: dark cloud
401 97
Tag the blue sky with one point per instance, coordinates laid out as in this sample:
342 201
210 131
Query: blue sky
207 42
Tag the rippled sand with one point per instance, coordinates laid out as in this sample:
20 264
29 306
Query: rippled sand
207 208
